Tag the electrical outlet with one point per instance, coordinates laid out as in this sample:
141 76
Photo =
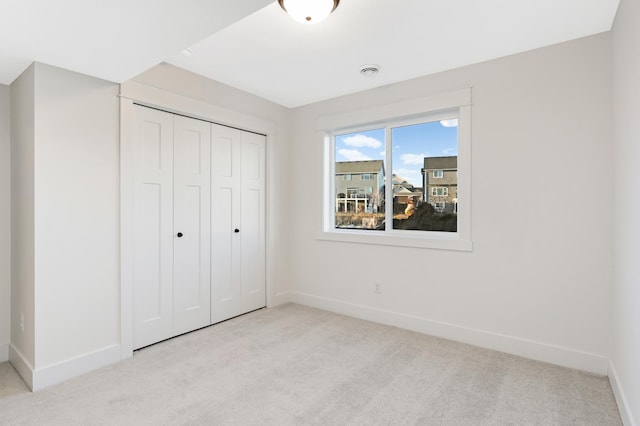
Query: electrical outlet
377 287
21 322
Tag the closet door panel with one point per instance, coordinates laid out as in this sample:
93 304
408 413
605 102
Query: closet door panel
252 214
153 216
149 278
223 246
226 296
191 232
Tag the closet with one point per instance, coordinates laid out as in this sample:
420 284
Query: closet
199 224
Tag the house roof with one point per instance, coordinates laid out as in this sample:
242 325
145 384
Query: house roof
370 166
399 180
441 163
401 190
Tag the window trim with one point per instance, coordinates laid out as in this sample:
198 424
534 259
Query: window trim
440 174
397 114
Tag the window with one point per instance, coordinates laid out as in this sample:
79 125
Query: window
346 177
439 191
408 144
405 153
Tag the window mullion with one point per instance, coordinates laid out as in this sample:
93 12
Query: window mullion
388 177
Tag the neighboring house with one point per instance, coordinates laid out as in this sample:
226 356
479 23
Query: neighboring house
440 181
403 190
359 186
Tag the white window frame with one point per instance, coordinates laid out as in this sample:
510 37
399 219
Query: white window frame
436 107
438 174
439 206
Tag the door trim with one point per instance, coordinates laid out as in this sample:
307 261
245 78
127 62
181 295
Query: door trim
131 93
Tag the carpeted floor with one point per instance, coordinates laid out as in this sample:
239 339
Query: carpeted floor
295 365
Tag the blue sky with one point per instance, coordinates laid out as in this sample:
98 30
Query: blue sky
410 145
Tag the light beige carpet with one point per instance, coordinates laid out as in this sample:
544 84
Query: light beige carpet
295 365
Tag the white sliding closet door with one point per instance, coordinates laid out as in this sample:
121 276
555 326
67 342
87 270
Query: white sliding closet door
192 242
153 226
237 222
252 222
172 239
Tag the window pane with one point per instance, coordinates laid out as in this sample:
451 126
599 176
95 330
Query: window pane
425 184
360 196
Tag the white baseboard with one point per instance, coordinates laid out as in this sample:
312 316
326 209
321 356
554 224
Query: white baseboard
538 351
22 366
4 352
621 399
43 377
57 373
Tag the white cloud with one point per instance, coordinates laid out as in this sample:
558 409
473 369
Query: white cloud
413 159
362 141
450 151
382 153
449 123
353 155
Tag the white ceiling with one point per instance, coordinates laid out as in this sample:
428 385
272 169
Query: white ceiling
110 39
271 55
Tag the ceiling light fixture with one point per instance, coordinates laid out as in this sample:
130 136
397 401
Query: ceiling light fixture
309 11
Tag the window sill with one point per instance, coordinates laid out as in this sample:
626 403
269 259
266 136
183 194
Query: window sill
434 240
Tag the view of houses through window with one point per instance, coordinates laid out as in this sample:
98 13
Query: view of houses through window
424 177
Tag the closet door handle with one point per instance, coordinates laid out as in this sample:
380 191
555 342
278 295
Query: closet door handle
236 230
180 234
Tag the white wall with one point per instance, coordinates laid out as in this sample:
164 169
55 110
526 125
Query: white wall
190 85
538 280
76 215
22 353
626 290
65 217
5 225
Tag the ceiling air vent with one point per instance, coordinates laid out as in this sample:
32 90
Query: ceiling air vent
369 70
